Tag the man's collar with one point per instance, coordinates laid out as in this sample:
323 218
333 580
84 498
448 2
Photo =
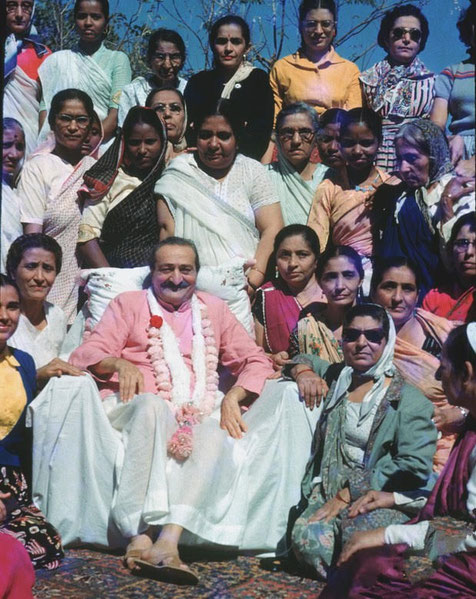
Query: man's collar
170 308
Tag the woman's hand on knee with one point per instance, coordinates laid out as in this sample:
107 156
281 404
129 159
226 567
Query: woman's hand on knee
331 509
131 379
372 500
366 539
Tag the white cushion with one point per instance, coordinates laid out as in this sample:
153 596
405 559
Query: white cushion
103 284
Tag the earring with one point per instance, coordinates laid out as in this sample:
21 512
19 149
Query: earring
276 274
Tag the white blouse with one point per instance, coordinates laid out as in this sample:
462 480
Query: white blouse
42 345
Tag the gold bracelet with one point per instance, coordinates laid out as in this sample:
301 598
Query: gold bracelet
258 270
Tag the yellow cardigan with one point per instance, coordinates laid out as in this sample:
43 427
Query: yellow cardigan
331 83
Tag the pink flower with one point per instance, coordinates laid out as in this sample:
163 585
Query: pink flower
181 443
188 414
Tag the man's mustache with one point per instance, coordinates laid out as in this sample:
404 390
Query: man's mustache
174 287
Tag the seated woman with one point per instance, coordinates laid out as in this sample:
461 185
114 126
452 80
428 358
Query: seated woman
19 517
165 58
33 262
328 138
49 185
420 336
235 83
226 204
294 176
413 218
399 88
169 104
319 329
444 529
340 212
13 152
454 95
119 222
455 298
374 434
291 285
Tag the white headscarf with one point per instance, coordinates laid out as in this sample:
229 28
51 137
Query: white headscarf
383 368
471 334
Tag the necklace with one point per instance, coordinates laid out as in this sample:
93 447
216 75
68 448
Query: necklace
366 188
173 376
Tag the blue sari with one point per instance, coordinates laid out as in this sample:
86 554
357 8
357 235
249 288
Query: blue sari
409 234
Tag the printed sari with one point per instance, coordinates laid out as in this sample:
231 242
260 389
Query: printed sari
418 367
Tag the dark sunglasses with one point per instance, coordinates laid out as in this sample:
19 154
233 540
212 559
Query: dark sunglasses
372 335
399 32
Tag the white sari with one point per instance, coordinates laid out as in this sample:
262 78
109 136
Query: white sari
20 101
73 69
10 220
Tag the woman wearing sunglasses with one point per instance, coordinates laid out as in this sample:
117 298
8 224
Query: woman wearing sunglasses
374 434
399 88
375 563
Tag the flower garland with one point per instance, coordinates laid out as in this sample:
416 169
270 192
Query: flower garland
173 376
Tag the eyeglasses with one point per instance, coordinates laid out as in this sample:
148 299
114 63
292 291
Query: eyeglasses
399 32
65 119
286 134
372 335
326 25
462 245
25 6
162 57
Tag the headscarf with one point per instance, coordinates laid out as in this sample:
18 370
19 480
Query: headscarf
99 179
381 369
14 46
440 160
471 334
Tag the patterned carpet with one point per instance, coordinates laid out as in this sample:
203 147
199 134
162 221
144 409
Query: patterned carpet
87 574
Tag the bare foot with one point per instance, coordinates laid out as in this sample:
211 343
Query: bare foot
139 544
165 552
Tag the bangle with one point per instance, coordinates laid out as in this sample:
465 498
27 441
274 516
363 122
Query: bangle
463 411
258 270
304 370
447 196
254 287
